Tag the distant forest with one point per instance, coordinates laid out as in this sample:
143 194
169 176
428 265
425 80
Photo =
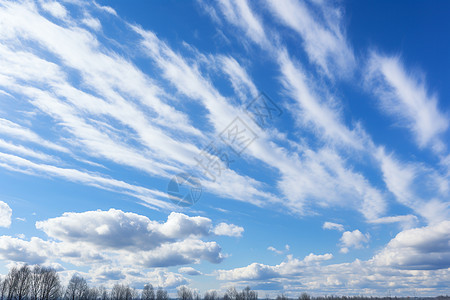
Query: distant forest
43 283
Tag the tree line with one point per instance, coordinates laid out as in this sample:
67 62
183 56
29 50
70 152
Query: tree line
43 283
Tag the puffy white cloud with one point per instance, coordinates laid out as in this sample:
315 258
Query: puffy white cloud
189 271
316 258
295 276
115 229
179 253
107 275
333 226
5 214
353 239
257 271
425 248
18 250
112 241
228 230
254 271
165 279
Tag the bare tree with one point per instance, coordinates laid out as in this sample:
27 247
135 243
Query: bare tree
93 294
304 296
50 288
161 294
18 283
148 293
134 294
185 293
103 293
248 294
282 297
3 289
121 292
35 283
231 294
77 289
211 295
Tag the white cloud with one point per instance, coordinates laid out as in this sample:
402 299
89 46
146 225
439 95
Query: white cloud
19 149
240 80
322 34
406 221
5 214
333 226
321 112
417 186
228 230
241 15
19 164
273 249
18 250
406 97
119 245
54 8
115 229
353 239
295 276
257 271
188 251
164 279
93 23
254 271
189 271
108 9
160 151
425 248
19 132
317 258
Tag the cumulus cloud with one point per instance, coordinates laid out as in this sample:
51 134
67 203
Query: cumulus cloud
316 258
257 271
353 239
18 250
113 240
115 229
5 214
425 248
228 230
297 276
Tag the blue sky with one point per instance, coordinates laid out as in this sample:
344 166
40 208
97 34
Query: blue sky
344 188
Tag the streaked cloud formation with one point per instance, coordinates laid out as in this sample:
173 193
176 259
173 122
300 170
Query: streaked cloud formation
102 110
